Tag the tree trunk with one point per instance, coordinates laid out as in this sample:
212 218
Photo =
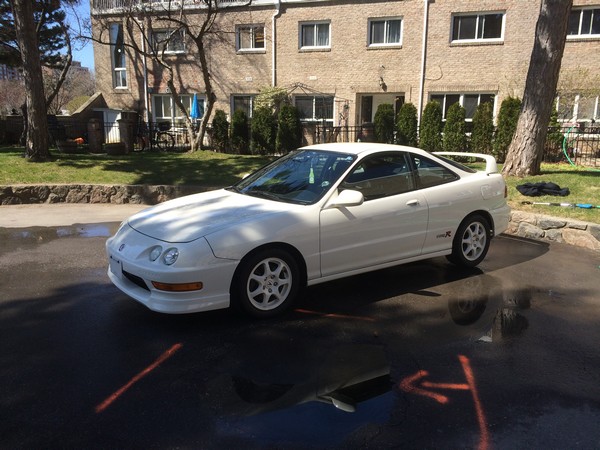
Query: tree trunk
526 150
36 143
211 97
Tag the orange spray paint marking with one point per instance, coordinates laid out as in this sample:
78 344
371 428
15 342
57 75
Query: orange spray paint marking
484 439
414 384
334 316
114 396
408 385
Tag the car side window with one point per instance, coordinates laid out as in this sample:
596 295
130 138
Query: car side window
430 173
380 176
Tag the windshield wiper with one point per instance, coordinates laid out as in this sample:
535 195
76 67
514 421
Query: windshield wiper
264 194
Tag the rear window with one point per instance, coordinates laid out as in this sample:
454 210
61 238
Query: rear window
457 164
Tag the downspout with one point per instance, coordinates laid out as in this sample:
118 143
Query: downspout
274 44
145 64
423 61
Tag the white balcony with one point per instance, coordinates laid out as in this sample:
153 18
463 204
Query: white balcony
100 7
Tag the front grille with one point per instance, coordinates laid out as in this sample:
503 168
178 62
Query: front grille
136 280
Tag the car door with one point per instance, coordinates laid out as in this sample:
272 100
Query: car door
445 198
390 225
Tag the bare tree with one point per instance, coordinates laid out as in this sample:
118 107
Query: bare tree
525 153
12 95
191 18
77 83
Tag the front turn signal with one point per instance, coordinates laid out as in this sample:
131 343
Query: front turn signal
178 287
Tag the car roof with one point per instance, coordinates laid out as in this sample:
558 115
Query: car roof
356 148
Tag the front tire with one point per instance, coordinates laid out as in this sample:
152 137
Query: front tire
267 284
472 241
165 141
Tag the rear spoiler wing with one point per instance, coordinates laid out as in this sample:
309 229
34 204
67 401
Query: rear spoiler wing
490 161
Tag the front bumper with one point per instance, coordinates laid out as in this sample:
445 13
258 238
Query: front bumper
131 270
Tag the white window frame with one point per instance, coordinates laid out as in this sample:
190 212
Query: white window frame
573 102
315 25
175 116
119 72
480 21
580 34
461 100
315 100
250 98
168 41
386 21
252 30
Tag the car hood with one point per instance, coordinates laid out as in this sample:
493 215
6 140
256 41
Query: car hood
188 218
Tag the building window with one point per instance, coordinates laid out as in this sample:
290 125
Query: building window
313 108
468 101
168 41
478 27
164 108
315 35
584 22
578 108
251 37
385 32
117 47
243 103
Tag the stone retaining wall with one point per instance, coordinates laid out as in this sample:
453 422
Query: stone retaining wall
524 224
85 193
555 229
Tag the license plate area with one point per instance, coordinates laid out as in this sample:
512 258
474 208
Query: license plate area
115 266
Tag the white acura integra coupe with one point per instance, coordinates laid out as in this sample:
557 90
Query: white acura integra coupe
316 214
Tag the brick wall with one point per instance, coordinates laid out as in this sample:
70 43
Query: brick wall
349 69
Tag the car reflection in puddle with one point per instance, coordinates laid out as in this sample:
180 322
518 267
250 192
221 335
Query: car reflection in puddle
317 392
315 397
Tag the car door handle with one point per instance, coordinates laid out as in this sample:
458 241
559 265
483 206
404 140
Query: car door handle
413 202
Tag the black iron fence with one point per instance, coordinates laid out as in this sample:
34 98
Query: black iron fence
578 144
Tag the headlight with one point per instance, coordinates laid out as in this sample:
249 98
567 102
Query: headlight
170 256
155 253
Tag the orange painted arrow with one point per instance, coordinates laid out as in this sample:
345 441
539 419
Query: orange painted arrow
411 384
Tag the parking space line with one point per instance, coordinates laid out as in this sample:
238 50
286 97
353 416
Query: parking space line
115 395
334 316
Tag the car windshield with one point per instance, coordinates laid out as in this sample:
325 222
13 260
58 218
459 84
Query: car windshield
302 176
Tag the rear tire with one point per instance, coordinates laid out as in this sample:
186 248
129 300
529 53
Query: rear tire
267 283
472 241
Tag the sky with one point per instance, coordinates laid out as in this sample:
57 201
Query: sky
84 55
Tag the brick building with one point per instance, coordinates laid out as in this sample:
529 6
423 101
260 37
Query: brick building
341 59
10 73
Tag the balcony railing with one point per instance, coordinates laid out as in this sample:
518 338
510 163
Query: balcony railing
115 6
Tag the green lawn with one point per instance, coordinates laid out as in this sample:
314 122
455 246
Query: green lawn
205 168
201 168
584 185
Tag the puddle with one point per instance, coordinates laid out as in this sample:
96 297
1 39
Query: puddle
15 238
314 397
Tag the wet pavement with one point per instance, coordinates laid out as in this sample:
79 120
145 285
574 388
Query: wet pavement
419 356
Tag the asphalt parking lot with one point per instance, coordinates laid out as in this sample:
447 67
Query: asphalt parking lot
419 356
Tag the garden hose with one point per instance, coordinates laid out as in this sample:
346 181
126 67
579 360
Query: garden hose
565 147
